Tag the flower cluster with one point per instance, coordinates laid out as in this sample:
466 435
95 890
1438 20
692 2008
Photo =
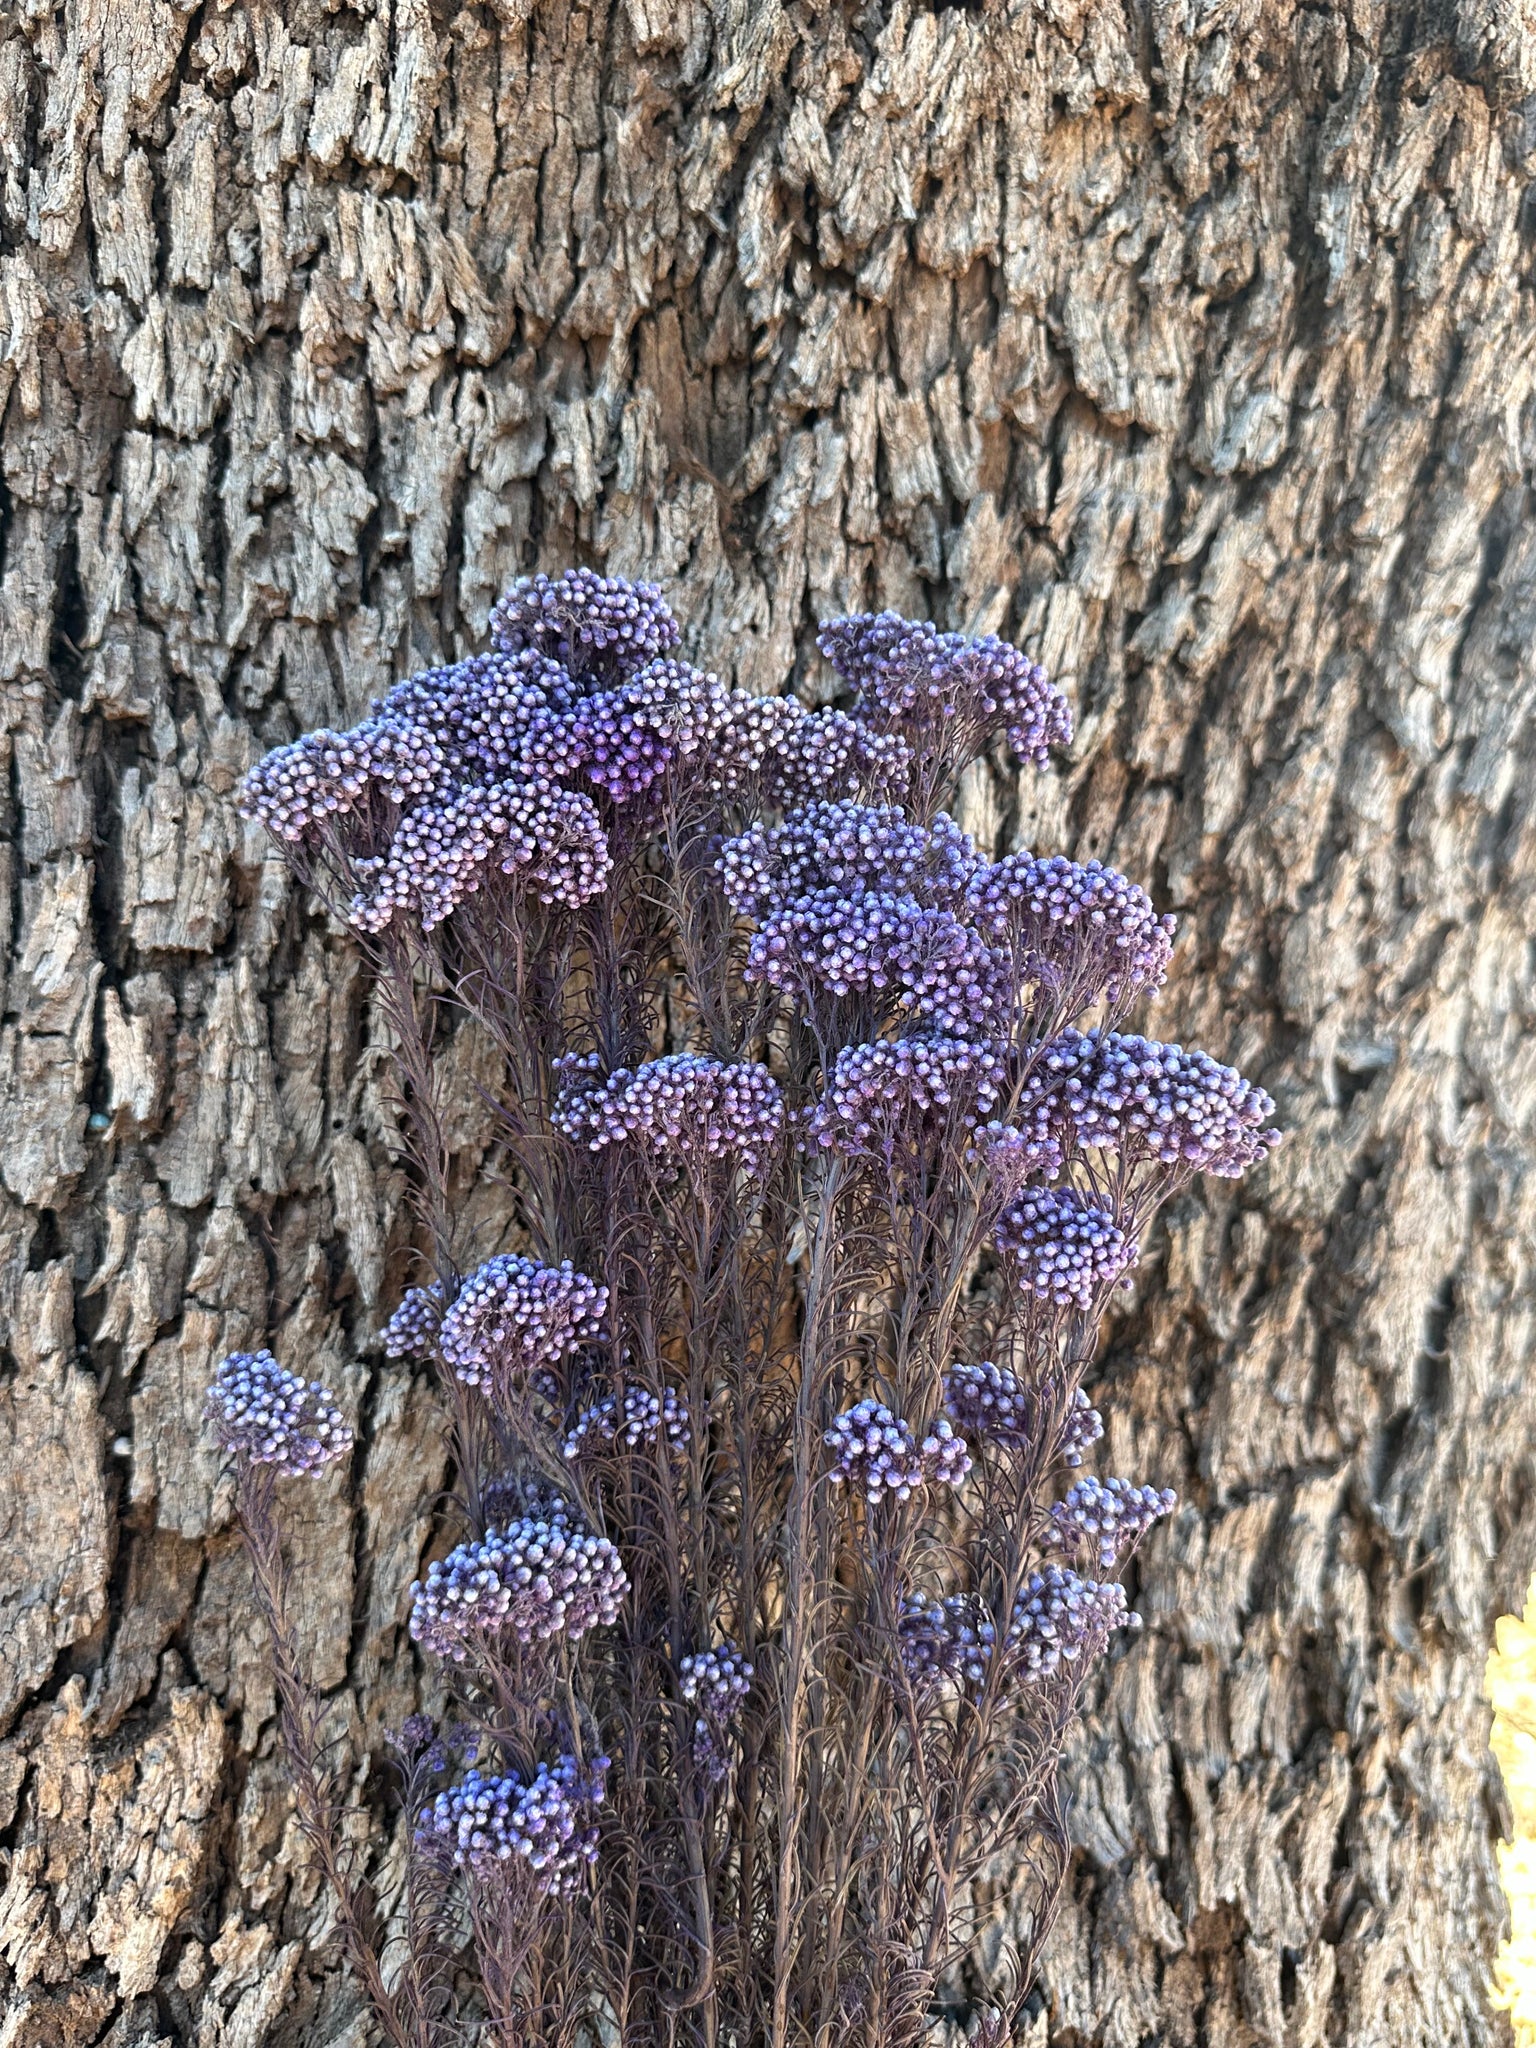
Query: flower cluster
849 848
1065 1250
627 737
1151 1102
548 838
645 1417
513 1316
945 1641
1083 928
693 1108
1081 1430
533 1581
268 1415
901 1090
987 1401
586 622
913 677
1111 1515
297 789
822 753
1059 1618
716 1682
482 1822
938 969
878 1451
411 1331
489 715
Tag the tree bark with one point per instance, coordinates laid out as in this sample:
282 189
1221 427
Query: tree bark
1192 346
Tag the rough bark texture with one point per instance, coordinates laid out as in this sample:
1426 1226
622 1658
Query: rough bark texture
1189 341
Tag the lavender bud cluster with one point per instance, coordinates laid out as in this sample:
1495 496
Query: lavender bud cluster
1110 1515
684 1105
297 789
910 675
534 1581
878 1451
482 1822
1081 1430
850 849
262 1412
1153 1102
411 1331
645 1418
1065 1250
896 1090
987 1401
626 738
1059 1618
585 622
939 969
947 1641
514 1316
1083 926
717 1682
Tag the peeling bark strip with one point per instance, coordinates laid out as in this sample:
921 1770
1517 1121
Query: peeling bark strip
1191 345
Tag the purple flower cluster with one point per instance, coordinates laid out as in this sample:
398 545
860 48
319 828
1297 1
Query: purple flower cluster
534 1580
547 837
987 1401
1111 1515
1065 1250
485 1821
938 969
878 1451
268 1415
849 849
489 715
947 1641
910 677
646 1416
627 737
514 1316
586 622
1151 1102
1012 1154
827 753
1085 929
297 789
715 1681
1081 1430
411 1331
903 1090
1059 1618
693 1108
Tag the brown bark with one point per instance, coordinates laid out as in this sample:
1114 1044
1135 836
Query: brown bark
1190 344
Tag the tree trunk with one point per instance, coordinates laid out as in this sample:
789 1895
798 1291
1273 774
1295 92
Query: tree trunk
1189 345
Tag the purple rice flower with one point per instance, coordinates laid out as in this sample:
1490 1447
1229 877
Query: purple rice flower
947 692
520 1496
878 1451
684 1106
903 1091
269 1416
534 1581
486 713
1083 1427
514 1316
484 1822
848 849
549 839
716 1681
987 1401
1010 1154
1110 1515
938 969
592 625
1152 1102
1059 1618
1085 929
295 791
627 737
945 1642
411 1331
829 754
646 1417
1065 1250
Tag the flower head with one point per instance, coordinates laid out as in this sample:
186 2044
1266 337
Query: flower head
297 790
411 1331
589 624
484 1822
1081 1430
947 1641
848 849
1065 1250
1059 1619
268 1415
1110 1516
514 1316
878 1451
642 1418
988 1401
1151 1102
683 1106
903 1091
1085 930
533 1580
